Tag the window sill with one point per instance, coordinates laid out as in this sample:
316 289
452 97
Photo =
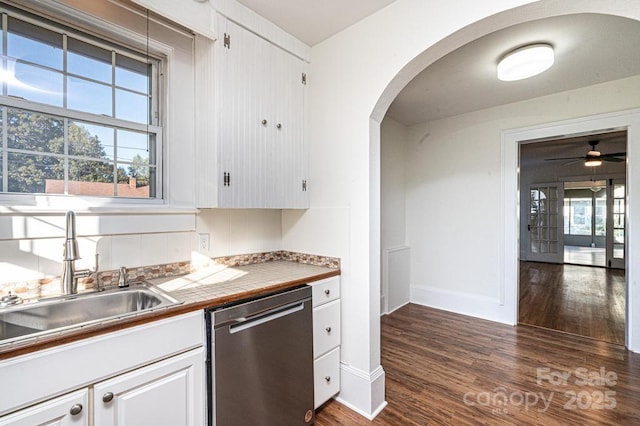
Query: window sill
23 204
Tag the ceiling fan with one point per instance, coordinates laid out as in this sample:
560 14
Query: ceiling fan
594 157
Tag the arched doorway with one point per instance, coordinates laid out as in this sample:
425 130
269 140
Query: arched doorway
504 303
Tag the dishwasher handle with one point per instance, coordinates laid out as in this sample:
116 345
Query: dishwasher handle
244 323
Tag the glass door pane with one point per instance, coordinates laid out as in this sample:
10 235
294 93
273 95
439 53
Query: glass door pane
545 224
616 224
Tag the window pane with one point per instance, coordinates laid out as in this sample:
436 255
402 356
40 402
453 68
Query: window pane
90 140
618 236
618 206
134 182
35 174
84 95
89 61
618 220
132 74
34 132
88 177
34 83
133 147
618 191
580 216
132 107
618 251
28 42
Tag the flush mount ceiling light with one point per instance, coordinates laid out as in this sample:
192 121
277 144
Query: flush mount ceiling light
525 62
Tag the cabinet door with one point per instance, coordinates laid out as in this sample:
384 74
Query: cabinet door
289 160
261 134
67 410
243 110
167 393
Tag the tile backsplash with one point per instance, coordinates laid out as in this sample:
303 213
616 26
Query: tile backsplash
50 286
41 258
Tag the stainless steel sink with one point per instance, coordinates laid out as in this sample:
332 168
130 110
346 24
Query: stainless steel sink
46 316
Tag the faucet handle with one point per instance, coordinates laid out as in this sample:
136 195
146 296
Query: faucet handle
94 270
96 265
122 281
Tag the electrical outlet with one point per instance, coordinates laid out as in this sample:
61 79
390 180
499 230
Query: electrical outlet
203 242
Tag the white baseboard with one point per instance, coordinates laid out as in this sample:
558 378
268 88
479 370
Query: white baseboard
395 309
362 392
462 303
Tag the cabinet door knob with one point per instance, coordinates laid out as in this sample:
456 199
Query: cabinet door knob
279 126
328 329
107 397
264 122
327 378
75 409
327 292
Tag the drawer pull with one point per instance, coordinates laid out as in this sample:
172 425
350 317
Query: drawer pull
75 409
107 397
328 329
327 378
327 292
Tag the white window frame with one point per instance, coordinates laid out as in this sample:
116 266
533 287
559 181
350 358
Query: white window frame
157 52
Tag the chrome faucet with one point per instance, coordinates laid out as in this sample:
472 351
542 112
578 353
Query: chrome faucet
70 276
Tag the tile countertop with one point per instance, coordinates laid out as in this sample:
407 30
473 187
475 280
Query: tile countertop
221 284
210 287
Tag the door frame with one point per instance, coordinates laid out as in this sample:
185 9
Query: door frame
510 215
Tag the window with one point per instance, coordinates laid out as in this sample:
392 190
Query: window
577 216
78 115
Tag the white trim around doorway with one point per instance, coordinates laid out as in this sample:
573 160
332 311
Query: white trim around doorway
511 140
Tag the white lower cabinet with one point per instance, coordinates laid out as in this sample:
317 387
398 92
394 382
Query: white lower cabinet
68 410
326 339
146 375
167 393
326 376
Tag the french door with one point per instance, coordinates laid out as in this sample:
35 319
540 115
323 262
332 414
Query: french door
545 223
616 220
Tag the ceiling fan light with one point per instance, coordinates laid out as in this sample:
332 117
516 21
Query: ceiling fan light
525 62
593 162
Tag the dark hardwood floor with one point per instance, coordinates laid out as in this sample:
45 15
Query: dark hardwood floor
576 299
448 369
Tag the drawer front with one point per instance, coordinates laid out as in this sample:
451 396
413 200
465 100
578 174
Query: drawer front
326 327
325 290
326 376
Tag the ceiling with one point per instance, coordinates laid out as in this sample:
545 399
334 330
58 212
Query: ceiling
589 49
314 21
546 152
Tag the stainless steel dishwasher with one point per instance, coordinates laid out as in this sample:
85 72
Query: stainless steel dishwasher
261 361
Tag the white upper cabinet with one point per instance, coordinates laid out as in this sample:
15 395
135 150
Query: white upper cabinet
255 155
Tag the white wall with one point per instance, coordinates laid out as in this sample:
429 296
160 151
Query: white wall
393 152
394 274
234 232
454 194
